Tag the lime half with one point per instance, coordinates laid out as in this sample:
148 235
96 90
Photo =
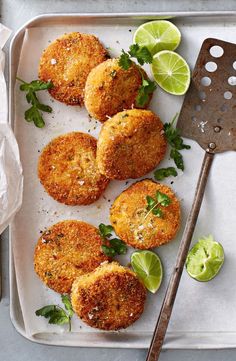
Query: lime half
205 259
157 35
147 265
171 72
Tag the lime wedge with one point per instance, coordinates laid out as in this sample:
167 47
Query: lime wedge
147 265
157 35
205 259
171 72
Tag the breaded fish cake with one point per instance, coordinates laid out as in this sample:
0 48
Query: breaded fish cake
66 251
67 62
110 89
130 144
110 298
138 227
68 171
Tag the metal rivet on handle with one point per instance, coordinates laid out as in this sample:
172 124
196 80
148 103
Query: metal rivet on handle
217 129
212 145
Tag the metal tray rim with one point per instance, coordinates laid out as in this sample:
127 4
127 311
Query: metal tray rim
13 287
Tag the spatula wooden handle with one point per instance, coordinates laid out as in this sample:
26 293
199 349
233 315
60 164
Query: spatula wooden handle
168 302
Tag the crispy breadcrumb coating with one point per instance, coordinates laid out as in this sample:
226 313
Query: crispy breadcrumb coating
130 144
128 216
68 171
66 251
67 62
110 89
110 298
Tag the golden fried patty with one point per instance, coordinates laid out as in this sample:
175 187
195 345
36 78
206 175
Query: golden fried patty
67 62
130 144
66 251
68 171
110 89
138 227
109 298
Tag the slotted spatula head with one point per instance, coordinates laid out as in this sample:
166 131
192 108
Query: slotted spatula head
208 114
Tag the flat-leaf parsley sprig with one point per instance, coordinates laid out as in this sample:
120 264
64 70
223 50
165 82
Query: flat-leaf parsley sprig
142 55
34 113
153 204
144 91
111 247
56 314
162 173
176 143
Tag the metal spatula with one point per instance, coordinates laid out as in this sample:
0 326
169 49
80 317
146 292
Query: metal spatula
208 115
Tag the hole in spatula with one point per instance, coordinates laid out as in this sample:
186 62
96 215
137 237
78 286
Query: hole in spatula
216 51
197 108
232 80
206 81
202 95
211 66
228 95
224 108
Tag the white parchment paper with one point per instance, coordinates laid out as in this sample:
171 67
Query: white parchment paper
11 180
199 307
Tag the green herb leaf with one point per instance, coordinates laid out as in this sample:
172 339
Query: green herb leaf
108 251
111 247
173 135
56 314
178 158
153 204
105 231
144 92
124 60
37 85
66 301
44 108
118 245
45 311
133 50
58 317
174 139
157 212
33 114
162 173
142 54
163 199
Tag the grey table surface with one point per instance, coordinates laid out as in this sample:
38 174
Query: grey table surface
13 346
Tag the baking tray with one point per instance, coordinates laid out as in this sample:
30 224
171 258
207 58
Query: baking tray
176 340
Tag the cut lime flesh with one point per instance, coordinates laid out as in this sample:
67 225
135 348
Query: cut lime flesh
147 265
171 72
205 259
158 35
